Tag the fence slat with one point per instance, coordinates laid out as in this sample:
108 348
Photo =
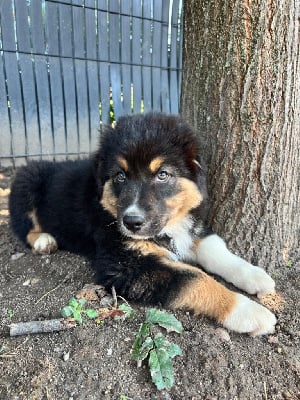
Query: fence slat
58 107
114 49
51 28
70 106
36 26
94 100
173 57
102 36
137 89
90 34
65 30
5 136
30 104
22 28
82 105
44 105
18 139
147 88
165 86
105 92
115 76
78 32
7 27
136 56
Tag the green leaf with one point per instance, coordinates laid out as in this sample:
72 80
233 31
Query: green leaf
140 337
127 309
142 351
91 313
67 311
164 319
161 341
144 330
77 317
73 302
161 369
174 350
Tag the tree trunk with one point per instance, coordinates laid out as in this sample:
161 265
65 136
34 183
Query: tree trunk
241 91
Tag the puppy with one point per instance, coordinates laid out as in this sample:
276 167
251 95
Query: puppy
136 209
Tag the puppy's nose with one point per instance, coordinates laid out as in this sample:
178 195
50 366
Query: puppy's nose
133 222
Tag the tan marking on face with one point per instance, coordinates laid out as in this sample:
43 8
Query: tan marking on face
122 163
155 164
183 202
204 295
146 247
36 231
108 200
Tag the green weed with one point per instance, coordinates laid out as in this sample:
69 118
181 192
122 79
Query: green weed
156 348
75 310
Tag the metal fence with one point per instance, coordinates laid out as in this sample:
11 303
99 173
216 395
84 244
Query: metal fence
68 66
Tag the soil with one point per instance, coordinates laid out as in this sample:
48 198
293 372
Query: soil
92 361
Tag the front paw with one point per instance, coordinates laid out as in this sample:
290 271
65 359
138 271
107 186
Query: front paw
44 244
250 317
254 280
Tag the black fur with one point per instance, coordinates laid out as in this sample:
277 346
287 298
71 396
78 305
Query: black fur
66 199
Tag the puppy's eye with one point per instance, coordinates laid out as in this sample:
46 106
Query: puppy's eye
120 177
162 176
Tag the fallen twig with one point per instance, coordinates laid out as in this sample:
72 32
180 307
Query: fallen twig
51 325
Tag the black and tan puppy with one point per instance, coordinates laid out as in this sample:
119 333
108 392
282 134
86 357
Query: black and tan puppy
135 209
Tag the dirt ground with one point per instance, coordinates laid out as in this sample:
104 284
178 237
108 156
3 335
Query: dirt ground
92 361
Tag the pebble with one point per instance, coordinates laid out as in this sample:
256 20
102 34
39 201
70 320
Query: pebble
30 282
222 334
273 339
66 355
109 352
16 256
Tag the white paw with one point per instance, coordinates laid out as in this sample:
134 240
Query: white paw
250 317
45 244
255 280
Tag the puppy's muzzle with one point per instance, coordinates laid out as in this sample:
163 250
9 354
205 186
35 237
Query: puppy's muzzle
133 222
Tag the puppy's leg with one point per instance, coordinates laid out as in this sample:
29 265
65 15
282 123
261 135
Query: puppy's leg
175 285
39 241
214 256
236 312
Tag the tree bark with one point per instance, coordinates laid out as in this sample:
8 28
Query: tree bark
241 91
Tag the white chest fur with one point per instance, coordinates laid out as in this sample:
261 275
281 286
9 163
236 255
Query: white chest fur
181 239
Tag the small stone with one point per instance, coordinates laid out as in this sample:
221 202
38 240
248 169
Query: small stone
222 334
16 256
109 351
66 355
273 339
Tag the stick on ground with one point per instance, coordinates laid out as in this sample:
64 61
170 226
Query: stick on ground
51 325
